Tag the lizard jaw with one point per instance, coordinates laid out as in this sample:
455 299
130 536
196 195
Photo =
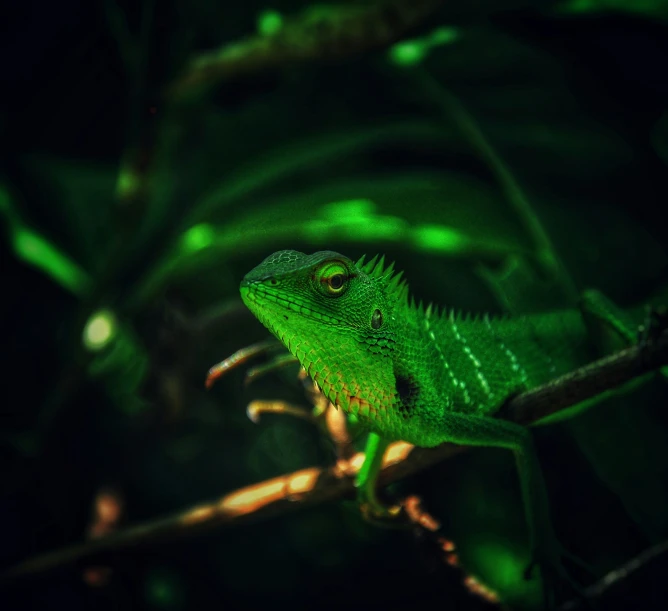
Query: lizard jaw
341 393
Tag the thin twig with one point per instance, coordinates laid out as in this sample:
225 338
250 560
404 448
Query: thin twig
278 362
315 485
239 357
256 408
613 581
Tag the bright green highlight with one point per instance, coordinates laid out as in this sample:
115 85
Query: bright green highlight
412 52
269 22
35 250
354 219
439 238
32 248
351 209
503 568
408 53
198 237
99 330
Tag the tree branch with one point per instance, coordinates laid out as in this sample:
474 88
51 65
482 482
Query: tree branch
315 485
637 575
320 33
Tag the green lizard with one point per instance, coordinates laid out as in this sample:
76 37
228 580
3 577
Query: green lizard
416 373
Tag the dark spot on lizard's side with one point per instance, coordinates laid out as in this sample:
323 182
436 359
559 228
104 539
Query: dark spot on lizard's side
408 391
286 318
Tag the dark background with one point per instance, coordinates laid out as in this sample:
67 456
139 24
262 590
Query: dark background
572 99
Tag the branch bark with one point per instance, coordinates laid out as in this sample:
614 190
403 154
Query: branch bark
316 485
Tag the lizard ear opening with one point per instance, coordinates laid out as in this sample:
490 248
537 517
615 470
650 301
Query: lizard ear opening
376 319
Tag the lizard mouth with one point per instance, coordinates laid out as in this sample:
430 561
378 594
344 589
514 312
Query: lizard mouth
248 294
249 298
251 290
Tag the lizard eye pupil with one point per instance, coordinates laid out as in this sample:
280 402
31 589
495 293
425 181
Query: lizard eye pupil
376 319
336 281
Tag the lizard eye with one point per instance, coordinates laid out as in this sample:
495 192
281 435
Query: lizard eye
333 279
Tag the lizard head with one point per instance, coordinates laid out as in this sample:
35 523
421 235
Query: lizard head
337 318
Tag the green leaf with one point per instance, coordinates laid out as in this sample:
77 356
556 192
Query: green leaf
36 250
446 214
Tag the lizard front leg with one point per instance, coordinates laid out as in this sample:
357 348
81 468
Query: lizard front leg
367 480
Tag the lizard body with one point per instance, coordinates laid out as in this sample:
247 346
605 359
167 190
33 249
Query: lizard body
417 373
396 365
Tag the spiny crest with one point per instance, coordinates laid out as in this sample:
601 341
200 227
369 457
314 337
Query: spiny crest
396 287
434 311
431 311
457 316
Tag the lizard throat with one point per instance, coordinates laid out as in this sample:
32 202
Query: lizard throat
340 389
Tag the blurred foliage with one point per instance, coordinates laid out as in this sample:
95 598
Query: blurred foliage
504 153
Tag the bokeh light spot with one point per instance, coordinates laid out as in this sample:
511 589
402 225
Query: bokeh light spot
99 330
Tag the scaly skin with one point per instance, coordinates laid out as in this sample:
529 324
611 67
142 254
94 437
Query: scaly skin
402 377
415 373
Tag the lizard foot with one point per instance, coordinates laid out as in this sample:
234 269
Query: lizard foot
378 514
